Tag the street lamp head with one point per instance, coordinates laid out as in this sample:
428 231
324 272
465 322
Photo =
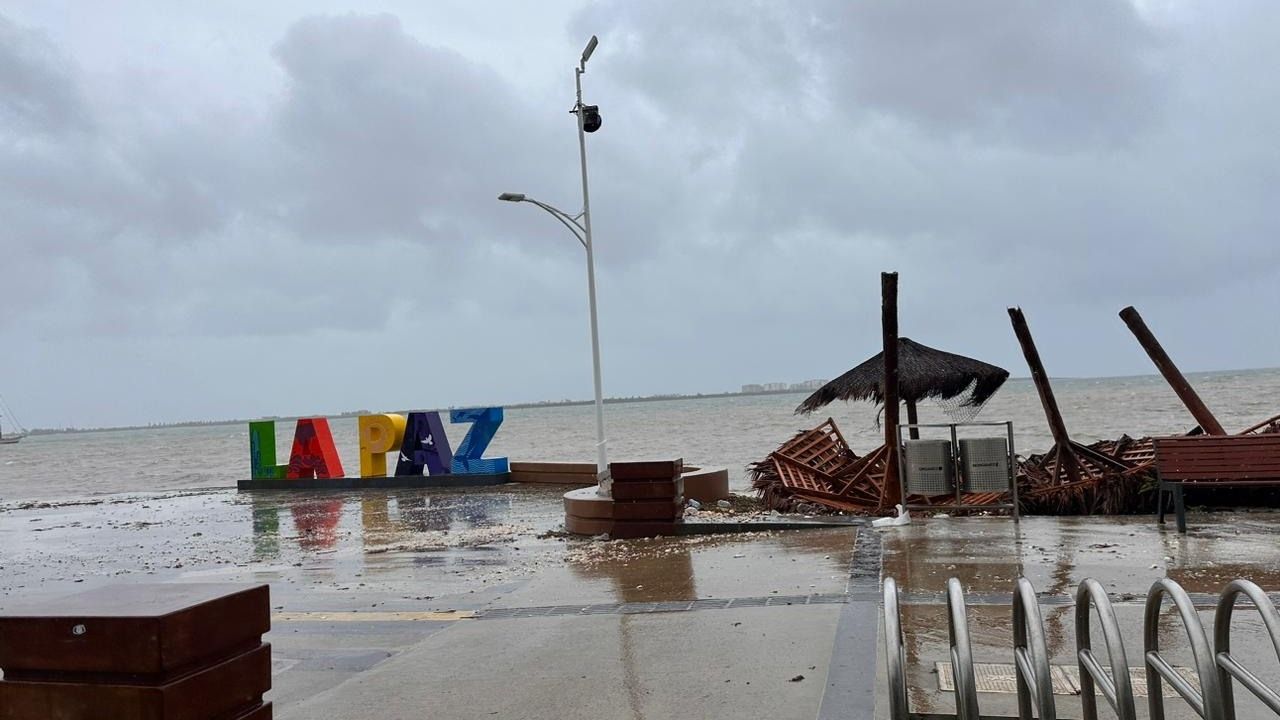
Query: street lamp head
591 47
512 197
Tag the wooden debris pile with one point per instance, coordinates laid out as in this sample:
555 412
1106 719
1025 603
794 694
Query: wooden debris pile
1109 477
1266 427
816 472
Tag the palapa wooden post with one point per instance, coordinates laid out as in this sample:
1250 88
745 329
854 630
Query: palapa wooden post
912 419
1066 455
1171 374
889 324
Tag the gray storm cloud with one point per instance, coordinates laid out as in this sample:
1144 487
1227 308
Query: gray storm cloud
758 166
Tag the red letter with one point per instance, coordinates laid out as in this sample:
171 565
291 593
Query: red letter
313 452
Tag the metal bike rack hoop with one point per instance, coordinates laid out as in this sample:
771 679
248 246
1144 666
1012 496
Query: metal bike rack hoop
1031 656
961 654
1207 701
895 653
1115 687
1229 667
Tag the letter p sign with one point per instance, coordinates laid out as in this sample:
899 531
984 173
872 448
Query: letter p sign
379 435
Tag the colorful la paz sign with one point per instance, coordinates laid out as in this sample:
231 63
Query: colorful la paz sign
418 438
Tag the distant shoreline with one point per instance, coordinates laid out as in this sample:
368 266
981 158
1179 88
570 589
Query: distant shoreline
559 404
357 413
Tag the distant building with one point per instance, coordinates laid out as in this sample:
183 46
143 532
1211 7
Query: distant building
807 385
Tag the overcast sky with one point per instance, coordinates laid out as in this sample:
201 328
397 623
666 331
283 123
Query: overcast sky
213 210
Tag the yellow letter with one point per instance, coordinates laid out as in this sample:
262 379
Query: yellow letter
379 435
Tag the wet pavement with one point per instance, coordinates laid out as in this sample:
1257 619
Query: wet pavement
393 550
387 603
1125 554
413 603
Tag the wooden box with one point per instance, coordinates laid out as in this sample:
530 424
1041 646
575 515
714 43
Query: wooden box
232 688
629 529
665 510
145 633
646 470
650 490
261 712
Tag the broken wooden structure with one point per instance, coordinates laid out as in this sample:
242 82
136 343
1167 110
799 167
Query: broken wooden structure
1208 424
816 468
1187 394
816 471
1074 479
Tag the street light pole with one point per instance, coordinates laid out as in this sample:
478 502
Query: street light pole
580 226
602 457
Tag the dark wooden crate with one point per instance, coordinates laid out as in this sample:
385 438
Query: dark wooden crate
624 529
651 490
262 712
145 632
646 470
229 689
648 510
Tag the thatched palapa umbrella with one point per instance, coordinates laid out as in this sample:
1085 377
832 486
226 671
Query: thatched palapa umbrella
923 372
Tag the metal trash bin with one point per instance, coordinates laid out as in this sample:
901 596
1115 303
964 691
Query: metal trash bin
930 469
985 464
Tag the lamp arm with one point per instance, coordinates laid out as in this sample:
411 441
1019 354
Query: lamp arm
563 217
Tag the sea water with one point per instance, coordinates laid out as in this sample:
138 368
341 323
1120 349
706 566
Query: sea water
724 431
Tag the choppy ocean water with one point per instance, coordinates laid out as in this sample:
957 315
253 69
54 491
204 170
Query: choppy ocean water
729 432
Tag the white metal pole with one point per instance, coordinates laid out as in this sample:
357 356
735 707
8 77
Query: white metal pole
602 456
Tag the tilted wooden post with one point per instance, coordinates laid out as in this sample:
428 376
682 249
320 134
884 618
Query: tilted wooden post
889 323
1041 379
912 419
1171 374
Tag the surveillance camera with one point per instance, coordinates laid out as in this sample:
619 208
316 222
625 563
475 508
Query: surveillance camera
591 118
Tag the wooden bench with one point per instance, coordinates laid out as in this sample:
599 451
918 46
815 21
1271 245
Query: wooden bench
1204 461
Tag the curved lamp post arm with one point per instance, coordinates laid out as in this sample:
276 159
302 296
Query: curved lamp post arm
570 222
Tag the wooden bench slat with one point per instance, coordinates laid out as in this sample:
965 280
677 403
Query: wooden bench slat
1219 474
1209 439
1210 464
1215 462
1243 445
1271 459
1215 447
1210 484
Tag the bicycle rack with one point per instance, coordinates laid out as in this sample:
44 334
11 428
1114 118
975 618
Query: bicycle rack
895 651
1228 668
1031 656
1207 701
961 654
1216 669
1115 687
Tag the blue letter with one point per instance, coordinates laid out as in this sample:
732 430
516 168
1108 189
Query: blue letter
470 458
